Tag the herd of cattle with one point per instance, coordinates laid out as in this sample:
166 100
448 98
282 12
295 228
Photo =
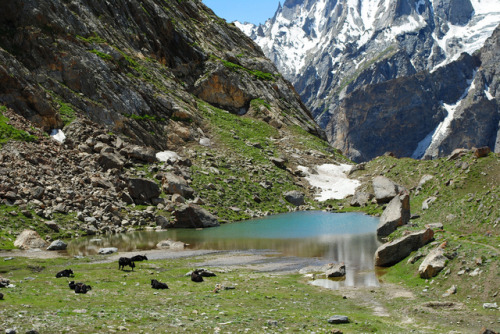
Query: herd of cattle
196 276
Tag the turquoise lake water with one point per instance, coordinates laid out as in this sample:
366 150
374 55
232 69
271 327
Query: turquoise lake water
329 237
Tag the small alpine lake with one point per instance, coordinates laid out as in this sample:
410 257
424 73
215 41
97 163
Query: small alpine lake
321 236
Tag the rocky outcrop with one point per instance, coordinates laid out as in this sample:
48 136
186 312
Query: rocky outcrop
29 239
137 67
396 214
193 216
392 252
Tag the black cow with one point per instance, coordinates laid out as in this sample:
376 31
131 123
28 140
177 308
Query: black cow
65 273
158 285
79 287
139 258
196 276
125 261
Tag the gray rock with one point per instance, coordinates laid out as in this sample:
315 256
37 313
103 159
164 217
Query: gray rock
338 319
52 225
450 291
143 190
336 270
278 162
433 263
57 245
10 331
108 250
426 178
140 153
174 184
427 202
396 214
490 306
295 197
162 221
361 198
193 216
110 161
385 190
392 252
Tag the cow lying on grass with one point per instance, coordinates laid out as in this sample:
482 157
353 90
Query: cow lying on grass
196 276
79 287
138 258
158 285
65 273
125 261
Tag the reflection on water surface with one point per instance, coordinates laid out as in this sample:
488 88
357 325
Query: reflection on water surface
347 237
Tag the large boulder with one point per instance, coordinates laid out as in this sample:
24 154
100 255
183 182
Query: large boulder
396 214
57 245
335 270
385 190
193 216
174 184
143 190
29 239
295 197
392 252
433 263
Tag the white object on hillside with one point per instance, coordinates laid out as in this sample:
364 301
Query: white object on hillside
332 181
58 135
167 155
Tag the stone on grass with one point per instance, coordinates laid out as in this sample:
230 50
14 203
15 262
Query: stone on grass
450 291
57 245
433 263
392 252
29 239
490 306
338 319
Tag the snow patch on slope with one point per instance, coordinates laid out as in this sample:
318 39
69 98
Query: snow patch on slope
331 180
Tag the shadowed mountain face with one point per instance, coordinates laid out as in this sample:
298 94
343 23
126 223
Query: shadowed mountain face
357 63
138 67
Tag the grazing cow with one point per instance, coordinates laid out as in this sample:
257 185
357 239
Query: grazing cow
158 285
125 261
196 276
139 258
65 273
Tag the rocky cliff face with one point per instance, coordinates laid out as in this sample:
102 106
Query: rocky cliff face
163 105
136 66
331 49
